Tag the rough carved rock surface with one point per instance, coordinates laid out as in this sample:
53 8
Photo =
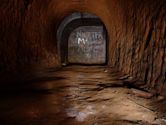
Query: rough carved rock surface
79 95
136 30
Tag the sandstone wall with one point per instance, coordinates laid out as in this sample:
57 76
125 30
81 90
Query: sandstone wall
140 50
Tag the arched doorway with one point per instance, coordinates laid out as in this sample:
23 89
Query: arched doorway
82 39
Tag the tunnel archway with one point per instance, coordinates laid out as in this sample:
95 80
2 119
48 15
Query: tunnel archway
82 39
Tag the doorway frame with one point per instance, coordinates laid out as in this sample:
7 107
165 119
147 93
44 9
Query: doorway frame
69 24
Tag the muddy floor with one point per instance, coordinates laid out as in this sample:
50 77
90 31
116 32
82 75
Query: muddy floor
79 95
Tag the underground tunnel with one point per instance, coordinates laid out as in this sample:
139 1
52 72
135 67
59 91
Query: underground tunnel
83 62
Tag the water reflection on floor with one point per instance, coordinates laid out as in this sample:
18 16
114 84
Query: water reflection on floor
76 95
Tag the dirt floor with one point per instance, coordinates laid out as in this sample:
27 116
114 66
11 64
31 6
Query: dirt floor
79 95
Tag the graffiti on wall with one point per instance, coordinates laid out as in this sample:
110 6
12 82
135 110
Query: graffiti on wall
87 44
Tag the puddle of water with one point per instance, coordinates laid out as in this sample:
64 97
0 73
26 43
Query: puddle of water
80 115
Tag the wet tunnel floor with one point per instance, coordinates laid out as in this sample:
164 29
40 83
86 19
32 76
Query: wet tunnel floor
77 95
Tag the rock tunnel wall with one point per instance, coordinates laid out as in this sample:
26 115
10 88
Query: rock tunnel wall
136 30
140 49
